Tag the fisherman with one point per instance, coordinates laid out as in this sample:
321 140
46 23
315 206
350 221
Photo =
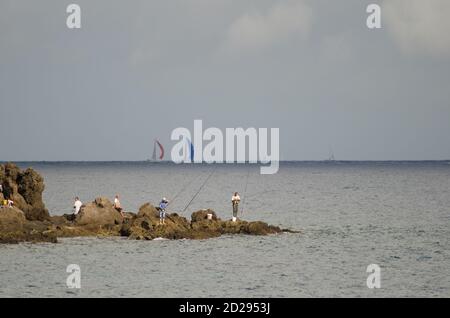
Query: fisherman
162 211
117 205
77 205
235 199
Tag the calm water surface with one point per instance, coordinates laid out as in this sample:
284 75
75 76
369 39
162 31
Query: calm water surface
396 215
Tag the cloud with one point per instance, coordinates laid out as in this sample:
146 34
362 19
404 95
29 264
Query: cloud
419 26
279 23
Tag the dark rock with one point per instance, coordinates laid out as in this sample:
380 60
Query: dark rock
145 225
261 228
67 218
238 227
15 228
203 215
148 210
125 230
11 220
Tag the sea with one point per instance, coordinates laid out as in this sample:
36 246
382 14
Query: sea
351 217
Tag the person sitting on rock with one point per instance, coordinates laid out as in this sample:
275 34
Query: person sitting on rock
77 206
235 199
162 210
117 205
10 203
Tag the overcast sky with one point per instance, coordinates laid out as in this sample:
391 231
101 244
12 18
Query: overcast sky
138 69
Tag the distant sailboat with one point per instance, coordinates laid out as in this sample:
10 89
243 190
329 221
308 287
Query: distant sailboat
189 151
157 144
331 157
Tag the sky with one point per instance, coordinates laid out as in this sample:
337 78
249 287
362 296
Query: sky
138 69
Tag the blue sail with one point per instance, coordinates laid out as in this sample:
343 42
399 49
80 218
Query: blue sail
189 153
192 152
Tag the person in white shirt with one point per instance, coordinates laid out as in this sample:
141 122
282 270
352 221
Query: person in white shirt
117 205
77 205
10 203
235 199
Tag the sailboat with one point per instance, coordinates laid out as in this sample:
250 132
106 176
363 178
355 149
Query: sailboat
189 151
331 157
157 144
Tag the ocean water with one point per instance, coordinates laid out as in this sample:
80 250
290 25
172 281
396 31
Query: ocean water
393 214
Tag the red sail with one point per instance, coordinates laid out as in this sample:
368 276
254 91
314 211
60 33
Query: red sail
161 156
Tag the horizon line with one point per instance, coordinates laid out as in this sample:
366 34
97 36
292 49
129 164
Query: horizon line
235 162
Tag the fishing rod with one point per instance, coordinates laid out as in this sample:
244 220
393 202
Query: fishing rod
195 195
184 188
245 190
179 192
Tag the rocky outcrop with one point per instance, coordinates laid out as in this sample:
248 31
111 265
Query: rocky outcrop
148 210
14 228
203 215
145 226
100 219
11 220
29 220
98 214
25 188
